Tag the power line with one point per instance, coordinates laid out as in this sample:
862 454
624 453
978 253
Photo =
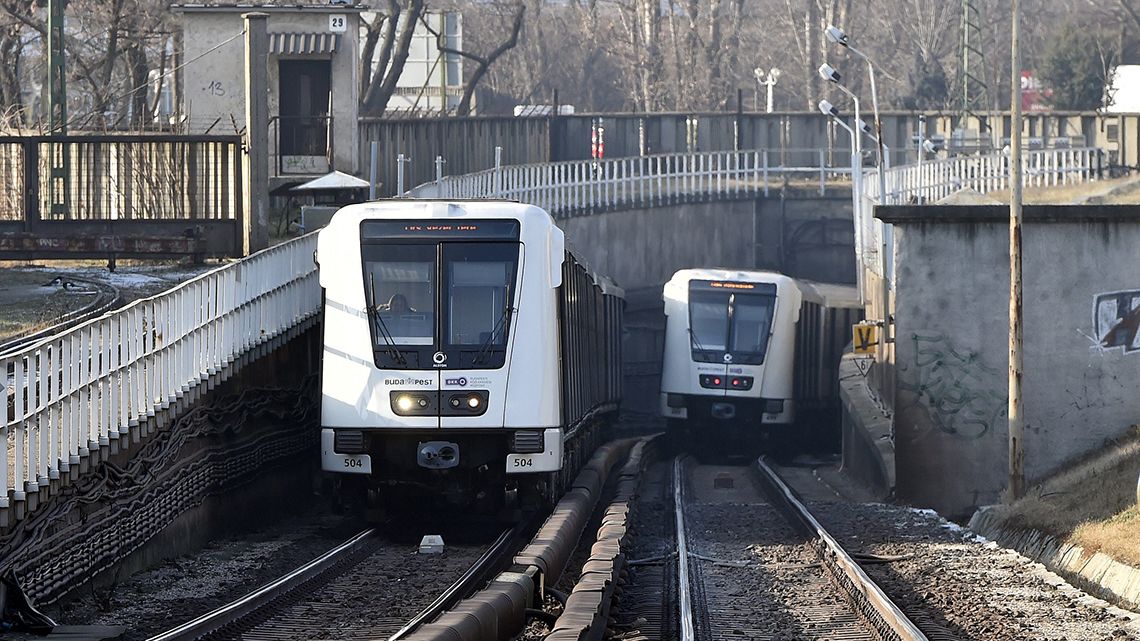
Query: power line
162 76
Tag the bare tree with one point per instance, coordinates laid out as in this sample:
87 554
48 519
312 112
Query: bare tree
482 62
389 36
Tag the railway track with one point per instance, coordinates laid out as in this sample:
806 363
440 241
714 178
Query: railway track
105 297
351 592
793 580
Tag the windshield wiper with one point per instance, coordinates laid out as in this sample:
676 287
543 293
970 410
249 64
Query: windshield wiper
485 348
696 341
374 311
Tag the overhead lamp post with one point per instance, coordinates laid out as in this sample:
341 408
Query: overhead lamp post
870 132
767 78
836 35
827 109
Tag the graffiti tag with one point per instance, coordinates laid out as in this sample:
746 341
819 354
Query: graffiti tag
952 391
1116 319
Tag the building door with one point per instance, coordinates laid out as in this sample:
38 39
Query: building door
303 90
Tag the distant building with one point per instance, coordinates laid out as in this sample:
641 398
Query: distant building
1124 90
431 81
313 80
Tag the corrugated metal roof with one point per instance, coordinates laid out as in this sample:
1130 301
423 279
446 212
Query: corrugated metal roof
296 44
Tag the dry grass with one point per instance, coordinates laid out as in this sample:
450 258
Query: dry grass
1091 503
1118 537
1116 191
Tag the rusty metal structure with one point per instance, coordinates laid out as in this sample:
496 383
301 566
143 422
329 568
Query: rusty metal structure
120 196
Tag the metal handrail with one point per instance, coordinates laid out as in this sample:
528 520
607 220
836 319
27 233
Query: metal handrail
73 393
932 180
583 186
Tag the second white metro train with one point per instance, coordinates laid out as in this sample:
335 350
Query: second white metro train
468 356
750 351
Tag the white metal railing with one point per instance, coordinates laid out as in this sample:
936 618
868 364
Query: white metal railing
930 181
75 392
564 188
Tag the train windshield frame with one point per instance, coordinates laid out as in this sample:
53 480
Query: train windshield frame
440 296
730 321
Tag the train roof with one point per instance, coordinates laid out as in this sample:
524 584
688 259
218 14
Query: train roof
833 295
435 208
734 275
430 208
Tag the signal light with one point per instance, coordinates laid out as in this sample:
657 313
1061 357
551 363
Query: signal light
716 381
736 382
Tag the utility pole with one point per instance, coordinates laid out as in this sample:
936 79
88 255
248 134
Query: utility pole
256 132
970 85
1016 420
59 157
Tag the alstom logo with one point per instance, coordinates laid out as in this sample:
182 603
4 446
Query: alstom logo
461 382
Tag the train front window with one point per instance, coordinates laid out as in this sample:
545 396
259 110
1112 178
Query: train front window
400 289
751 323
479 281
708 321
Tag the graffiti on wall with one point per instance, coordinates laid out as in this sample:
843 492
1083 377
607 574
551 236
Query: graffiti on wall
951 390
1116 319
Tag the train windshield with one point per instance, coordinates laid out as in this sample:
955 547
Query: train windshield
401 288
723 321
708 321
479 279
441 303
751 323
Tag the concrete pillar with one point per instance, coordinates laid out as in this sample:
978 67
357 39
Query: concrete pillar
256 193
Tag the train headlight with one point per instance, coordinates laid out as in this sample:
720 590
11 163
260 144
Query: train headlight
465 403
404 403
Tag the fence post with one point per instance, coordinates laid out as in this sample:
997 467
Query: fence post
822 173
765 173
439 178
498 170
373 169
400 160
31 184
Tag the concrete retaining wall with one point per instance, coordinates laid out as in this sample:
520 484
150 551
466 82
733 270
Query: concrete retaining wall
794 231
219 460
1081 344
868 446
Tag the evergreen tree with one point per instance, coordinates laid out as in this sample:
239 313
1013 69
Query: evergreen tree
1075 68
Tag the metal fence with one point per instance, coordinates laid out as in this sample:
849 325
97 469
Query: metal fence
121 195
570 188
77 392
932 180
466 143
143 177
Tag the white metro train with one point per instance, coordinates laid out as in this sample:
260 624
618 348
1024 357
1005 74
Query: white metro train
750 351
469 358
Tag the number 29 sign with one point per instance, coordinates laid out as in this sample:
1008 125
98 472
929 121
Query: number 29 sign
338 23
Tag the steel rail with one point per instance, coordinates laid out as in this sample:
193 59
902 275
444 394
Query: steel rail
860 588
107 297
479 572
683 585
243 607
